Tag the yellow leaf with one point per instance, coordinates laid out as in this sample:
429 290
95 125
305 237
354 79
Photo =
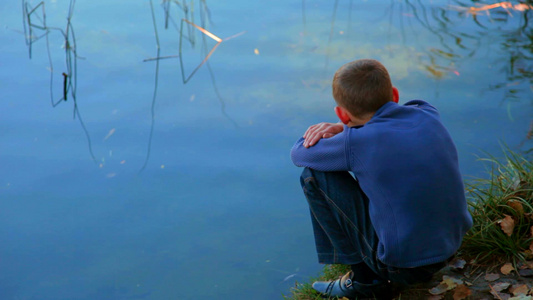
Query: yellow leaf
451 282
507 269
507 224
448 283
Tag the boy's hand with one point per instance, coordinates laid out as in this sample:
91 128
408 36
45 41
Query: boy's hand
321 131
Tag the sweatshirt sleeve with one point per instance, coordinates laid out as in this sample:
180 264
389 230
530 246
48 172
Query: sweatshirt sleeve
327 155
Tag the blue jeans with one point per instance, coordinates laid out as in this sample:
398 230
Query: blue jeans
343 230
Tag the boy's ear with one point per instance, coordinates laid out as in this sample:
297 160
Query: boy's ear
395 94
342 114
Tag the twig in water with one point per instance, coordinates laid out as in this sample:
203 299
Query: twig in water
70 76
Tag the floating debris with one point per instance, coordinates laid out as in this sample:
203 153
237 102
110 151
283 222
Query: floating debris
109 134
474 10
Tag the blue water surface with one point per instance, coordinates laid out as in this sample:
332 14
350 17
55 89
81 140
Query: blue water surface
190 193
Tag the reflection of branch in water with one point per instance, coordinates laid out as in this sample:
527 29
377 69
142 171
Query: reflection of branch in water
205 61
349 30
390 11
332 27
331 34
304 21
425 22
219 97
507 6
214 37
205 16
156 82
29 26
515 42
462 42
70 76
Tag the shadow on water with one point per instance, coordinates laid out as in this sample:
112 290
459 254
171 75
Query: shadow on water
190 36
34 20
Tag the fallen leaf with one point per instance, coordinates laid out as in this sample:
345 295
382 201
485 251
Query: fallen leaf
517 290
507 269
507 224
492 277
461 292
526 273
457 263
448 283
517 206
451 281
521 297
497 288
439 289
528 254
500 286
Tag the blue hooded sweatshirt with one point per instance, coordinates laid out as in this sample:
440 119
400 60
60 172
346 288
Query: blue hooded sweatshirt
406 163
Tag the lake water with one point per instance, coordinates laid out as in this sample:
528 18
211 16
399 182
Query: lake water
189 193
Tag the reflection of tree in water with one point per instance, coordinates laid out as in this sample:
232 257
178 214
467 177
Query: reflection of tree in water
187 23
505 24
36 28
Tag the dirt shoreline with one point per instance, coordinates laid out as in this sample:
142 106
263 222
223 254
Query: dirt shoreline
461 280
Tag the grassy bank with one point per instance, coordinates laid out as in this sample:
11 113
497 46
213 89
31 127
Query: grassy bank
500 244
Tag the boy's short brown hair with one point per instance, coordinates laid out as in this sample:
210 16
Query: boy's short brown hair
362 87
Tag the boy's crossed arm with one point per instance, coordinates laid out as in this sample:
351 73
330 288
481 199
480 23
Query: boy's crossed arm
319 131
328 155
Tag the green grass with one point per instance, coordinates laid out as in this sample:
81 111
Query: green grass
507 192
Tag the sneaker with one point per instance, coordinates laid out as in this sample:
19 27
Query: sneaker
346 287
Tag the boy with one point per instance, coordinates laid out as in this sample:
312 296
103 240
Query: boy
405 212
